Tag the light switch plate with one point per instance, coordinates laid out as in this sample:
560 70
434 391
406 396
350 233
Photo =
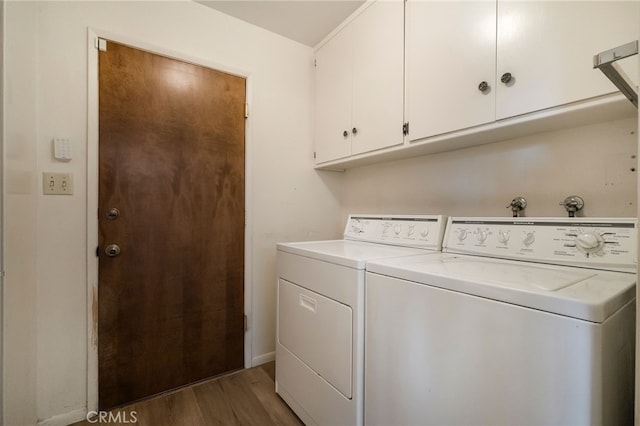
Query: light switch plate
57 183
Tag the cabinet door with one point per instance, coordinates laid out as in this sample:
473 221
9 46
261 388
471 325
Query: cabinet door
548 48
333 97
450 51
378 77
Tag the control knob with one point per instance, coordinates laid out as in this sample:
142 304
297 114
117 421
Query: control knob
482 235
462 234
397 229
411 230
503 236
589 243
529 238
424 232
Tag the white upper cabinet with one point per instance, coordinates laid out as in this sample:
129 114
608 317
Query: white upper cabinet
359 84
548 47
459 52
451 51
334 70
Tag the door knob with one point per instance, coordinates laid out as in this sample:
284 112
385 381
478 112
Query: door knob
112 250
113 213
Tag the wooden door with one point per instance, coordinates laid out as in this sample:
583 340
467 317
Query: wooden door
172 164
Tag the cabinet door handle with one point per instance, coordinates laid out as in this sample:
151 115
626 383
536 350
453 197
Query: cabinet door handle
483 86
506 77
345 133
354 131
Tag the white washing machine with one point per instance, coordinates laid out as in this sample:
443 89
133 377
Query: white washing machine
320 324
523 321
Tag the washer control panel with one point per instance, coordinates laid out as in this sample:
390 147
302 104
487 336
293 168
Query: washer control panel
600 243
422 231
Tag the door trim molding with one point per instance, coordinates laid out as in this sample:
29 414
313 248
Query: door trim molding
92 196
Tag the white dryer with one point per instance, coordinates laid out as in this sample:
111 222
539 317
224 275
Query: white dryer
320 324
521 321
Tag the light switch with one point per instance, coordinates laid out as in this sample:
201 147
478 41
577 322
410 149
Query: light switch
57 183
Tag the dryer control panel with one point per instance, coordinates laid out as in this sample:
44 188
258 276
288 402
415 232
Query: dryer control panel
600 243
421 231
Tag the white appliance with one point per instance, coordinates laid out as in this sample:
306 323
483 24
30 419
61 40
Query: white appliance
320 324
493 332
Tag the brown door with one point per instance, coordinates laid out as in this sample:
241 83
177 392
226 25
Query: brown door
172 164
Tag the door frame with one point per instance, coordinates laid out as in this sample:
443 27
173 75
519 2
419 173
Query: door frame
92 194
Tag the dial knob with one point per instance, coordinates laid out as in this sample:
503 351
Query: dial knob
503 236
589 242
529 238
424 232
397 229
482 235
411 230
462 234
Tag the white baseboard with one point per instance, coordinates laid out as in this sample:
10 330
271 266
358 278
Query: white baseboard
65 419
263 359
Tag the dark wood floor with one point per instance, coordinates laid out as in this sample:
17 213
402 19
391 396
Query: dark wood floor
246 397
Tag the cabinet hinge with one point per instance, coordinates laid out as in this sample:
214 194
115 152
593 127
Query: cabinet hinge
100 44
314 155
246 323
315 62
405 128
246 110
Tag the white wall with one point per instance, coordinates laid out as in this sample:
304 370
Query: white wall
45 331
593 162
20 239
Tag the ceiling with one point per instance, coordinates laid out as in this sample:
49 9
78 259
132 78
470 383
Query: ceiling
305 21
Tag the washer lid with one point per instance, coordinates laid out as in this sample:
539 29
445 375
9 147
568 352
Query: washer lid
353 254
585 294
517 276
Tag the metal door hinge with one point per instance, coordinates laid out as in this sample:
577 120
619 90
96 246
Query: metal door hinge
314 155
98 251
246 323
246 110
101 44
405 128
315 62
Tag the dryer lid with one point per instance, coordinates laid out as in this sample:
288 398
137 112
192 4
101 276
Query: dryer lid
352 254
